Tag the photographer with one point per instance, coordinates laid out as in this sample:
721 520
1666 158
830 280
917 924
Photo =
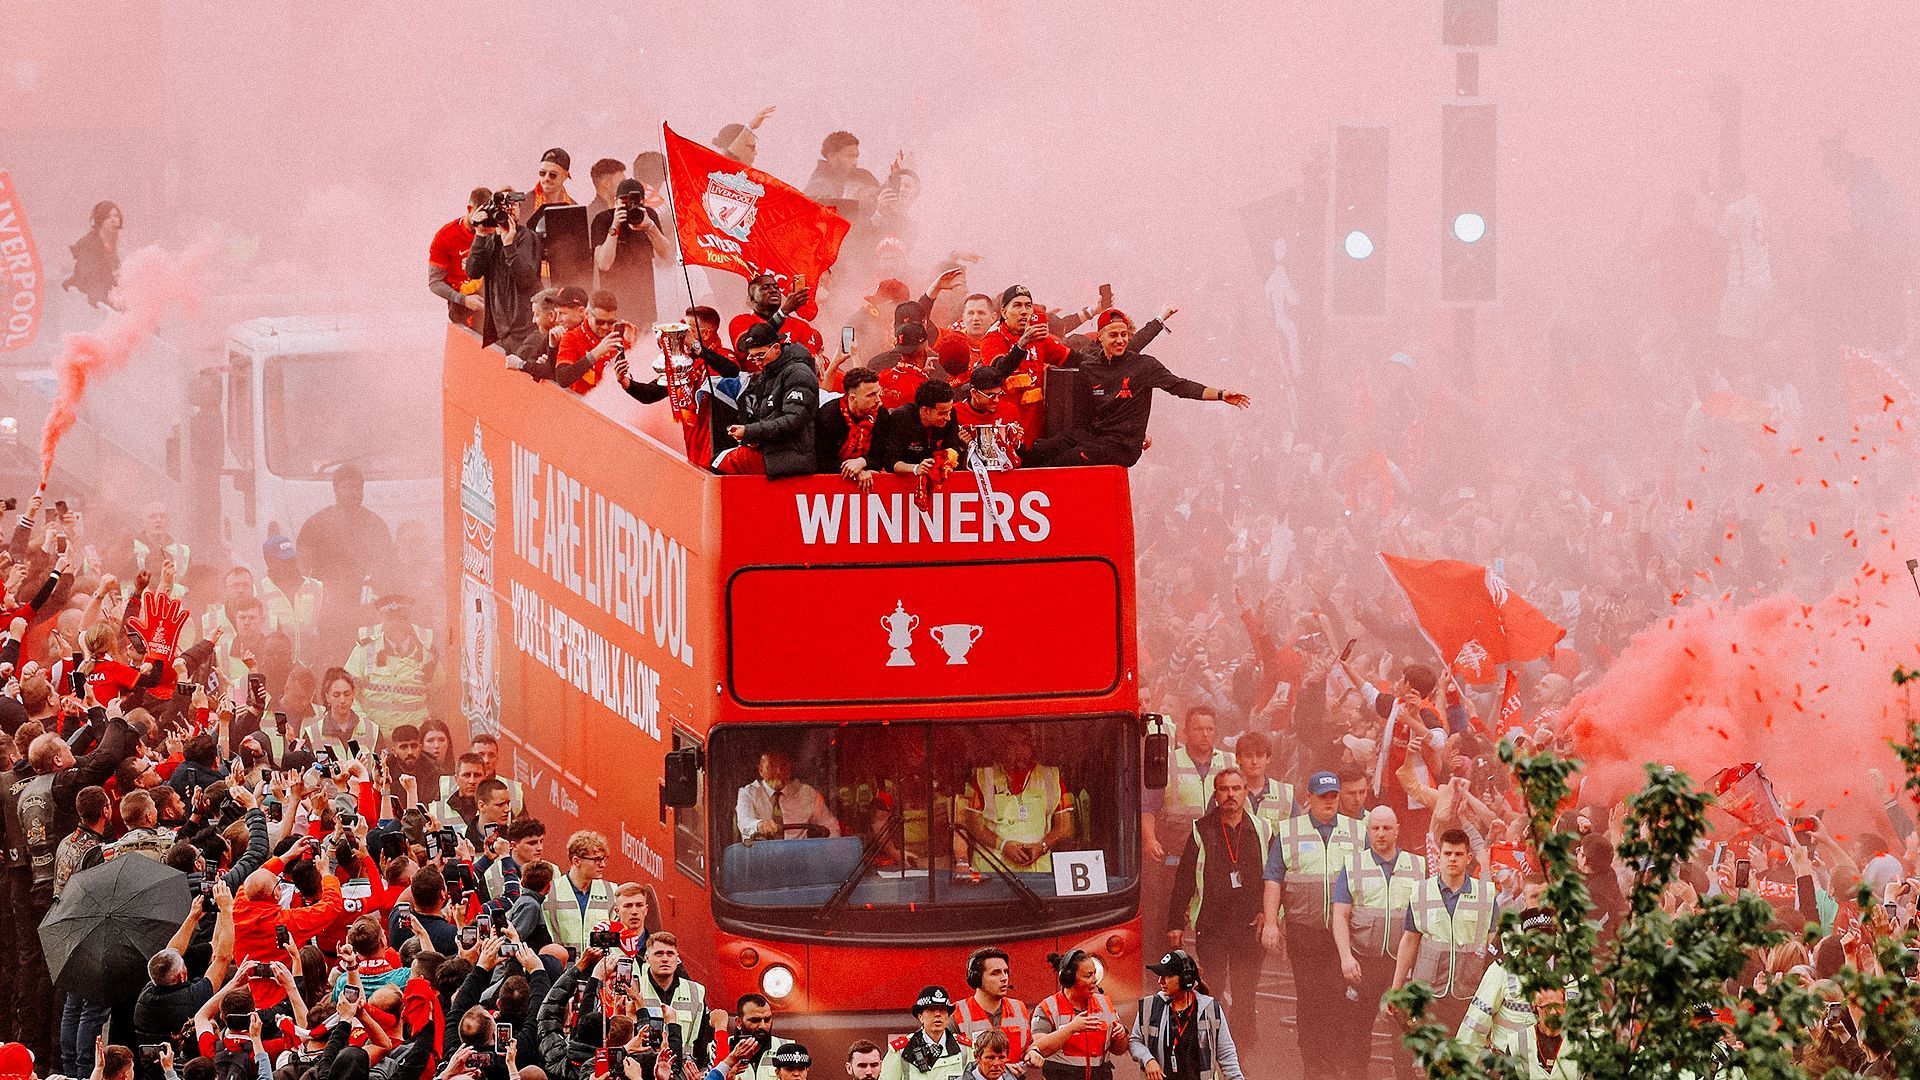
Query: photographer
626 242
446 263
585 349
507 258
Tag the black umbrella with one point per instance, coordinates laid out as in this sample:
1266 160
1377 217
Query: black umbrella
109 920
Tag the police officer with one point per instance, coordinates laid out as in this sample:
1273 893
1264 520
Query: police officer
1217 891
1370 904
396 665
932 1052
1449 931
1166 817
1502 1016
790 1061
1303 863
582 898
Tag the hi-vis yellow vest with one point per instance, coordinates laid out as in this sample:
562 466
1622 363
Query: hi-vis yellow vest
1453 945
1023 818
1313 864
1381 902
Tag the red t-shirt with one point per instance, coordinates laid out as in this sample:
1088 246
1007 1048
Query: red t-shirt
793 329
898 383
109 679
449 250
575 344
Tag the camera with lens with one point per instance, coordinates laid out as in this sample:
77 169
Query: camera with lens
498 209
635 204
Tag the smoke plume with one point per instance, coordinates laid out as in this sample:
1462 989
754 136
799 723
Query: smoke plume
153 283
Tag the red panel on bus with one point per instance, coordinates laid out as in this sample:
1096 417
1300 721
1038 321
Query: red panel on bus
1037 628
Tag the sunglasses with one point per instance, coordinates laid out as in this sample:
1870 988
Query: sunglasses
991 394
549 174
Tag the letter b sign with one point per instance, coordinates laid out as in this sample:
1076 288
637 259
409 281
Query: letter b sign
1079 873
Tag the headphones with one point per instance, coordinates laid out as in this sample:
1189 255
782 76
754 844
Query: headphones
1189 974
1069 968
977 964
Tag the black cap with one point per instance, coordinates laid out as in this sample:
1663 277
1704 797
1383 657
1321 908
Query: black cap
910 335
558 157
791 1056
1537 919
933 997
630 186
907 311
1012 291
759 335
570 296
1176 962
985 377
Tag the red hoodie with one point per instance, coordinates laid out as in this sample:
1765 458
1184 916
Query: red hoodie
253 931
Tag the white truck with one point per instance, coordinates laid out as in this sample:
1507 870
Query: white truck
242 440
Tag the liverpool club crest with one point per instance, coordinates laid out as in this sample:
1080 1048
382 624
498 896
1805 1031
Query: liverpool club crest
732 202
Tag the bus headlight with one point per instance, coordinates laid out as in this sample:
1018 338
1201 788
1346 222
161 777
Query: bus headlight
777 981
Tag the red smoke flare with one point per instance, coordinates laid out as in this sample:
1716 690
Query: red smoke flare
152 283
1805 689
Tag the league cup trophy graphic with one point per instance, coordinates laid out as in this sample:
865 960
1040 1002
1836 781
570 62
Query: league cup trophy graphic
900 627
957 639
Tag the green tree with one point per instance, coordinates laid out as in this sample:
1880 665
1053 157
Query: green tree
1651 1006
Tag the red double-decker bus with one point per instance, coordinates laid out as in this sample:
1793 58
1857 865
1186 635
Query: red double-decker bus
622 616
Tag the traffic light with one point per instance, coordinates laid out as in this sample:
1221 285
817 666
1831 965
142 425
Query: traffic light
1469 230
1357 265
1470 24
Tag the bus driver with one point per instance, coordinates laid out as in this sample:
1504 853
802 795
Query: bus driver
776 806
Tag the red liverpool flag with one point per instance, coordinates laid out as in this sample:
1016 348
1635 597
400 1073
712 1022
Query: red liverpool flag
747 222
1471 618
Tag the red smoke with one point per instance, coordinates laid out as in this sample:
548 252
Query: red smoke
1804 689
152 283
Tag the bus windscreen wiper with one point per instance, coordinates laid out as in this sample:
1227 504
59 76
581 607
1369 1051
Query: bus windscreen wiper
838 901
1021 889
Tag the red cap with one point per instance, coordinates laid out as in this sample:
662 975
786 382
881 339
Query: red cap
891 289
16 1062
1112 314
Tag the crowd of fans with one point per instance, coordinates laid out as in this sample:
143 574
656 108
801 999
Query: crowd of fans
370 896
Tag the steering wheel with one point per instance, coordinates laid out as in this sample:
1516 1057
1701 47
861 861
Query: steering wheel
806 829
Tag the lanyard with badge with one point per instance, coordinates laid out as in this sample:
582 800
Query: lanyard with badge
1233 857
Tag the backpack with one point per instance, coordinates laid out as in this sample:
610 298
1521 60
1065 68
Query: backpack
404 1062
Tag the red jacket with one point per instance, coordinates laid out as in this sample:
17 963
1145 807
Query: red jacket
1024 385
253 930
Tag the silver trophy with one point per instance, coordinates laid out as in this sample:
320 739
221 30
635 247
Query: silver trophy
991 445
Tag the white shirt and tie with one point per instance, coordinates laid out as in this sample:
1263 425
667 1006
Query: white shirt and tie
795 804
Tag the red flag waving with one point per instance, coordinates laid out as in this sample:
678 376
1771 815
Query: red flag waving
747 222
1470 616
1510 716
